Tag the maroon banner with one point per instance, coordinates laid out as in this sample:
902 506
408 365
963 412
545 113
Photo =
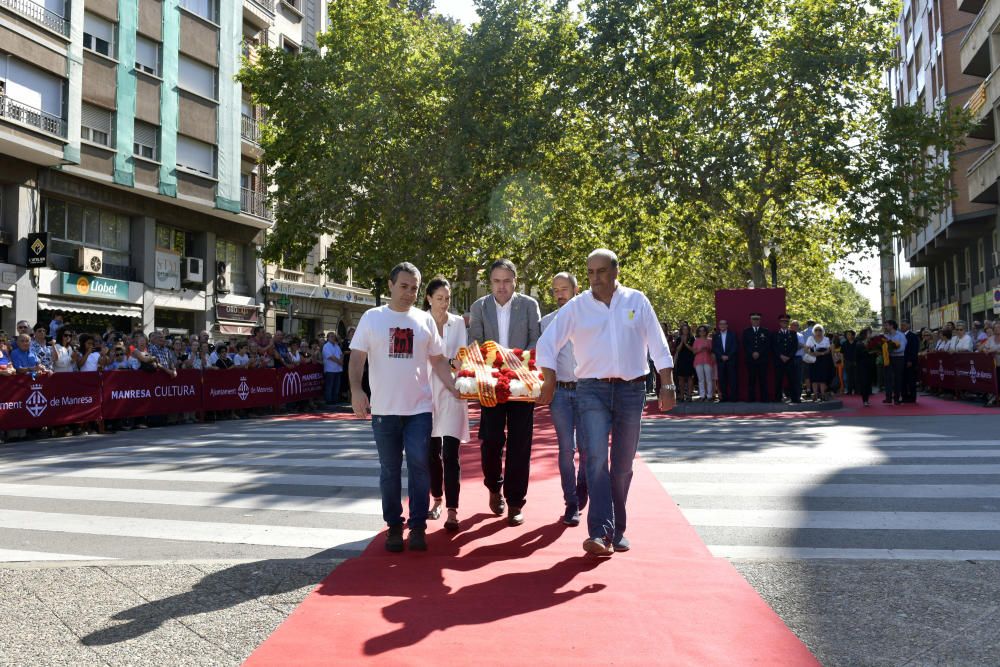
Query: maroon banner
49 400
301 383
959 371
974 371
137 393
237 388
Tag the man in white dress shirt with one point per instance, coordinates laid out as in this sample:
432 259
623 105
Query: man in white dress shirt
611 327
564 410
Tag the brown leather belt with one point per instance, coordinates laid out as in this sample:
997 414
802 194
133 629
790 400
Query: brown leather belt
566 385
641 379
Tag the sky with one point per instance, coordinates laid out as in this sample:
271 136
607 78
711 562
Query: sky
465 11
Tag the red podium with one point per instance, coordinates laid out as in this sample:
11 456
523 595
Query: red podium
735 306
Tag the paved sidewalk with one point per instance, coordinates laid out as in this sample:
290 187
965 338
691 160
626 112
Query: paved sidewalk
207 613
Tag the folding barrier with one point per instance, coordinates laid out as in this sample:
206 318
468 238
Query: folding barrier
960 371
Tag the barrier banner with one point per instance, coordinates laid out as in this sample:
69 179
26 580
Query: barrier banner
962 371
301 383
50 400
238 388
975 372
137 393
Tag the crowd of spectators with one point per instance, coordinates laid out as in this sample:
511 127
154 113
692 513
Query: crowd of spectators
59 347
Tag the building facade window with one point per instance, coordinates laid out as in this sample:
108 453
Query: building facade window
31 86
195 155
234 257
173 239
206 9
146 141
74 226
981 262
96 124
196 77
98 35
147 55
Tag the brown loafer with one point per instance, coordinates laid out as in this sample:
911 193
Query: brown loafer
514 516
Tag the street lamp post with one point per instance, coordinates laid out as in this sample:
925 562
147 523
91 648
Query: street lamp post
771 252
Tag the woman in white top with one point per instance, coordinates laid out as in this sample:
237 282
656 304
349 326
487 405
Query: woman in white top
90 359
451 415
961 341
64 357
821 370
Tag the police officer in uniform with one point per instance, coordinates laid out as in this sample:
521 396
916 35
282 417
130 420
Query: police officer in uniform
786 344
756 345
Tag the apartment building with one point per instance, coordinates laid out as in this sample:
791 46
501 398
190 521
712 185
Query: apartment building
948 270
127 143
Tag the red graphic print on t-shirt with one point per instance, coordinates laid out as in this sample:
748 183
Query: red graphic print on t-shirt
400 343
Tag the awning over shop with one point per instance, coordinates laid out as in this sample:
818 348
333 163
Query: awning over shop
112 309
6 301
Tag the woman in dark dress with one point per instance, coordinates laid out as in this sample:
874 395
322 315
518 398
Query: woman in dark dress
684 362
865 366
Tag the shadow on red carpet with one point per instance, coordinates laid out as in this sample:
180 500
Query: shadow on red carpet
528 595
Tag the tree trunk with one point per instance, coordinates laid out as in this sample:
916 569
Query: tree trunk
755 249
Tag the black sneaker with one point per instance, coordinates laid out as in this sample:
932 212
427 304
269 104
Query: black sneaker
572 516
621 543
418 539
394 540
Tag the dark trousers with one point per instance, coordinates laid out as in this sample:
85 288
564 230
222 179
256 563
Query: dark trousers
910 372
509 424
446 471
728 384
757 378
892 375
850 376
788 380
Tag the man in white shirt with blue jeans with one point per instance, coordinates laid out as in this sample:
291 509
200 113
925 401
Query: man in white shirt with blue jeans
611 327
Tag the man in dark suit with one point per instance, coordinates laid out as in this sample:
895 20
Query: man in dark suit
724 348
756 345
786 344
512 320
911 368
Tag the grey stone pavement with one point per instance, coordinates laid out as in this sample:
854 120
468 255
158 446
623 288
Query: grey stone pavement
876 540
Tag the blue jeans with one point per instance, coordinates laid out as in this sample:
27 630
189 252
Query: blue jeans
331 387
565 418
394 436
615 411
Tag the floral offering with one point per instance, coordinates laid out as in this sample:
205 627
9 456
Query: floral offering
493 374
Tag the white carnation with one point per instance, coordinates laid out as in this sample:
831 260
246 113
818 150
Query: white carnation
518 388
467 386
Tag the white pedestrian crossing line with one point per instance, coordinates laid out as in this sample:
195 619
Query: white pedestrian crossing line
805 553
236 460
217 476
820 466
187 531
21 556
839 520
811 490
241 500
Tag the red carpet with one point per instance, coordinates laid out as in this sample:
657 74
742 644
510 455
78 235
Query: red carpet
925 406
530 596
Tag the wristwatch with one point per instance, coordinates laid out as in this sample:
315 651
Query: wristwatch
669 387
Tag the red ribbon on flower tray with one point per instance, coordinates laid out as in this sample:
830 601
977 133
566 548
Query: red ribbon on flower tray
491 390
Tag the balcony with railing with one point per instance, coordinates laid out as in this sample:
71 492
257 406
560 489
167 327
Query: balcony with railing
254 203
21 113
39 14
250 129
266 5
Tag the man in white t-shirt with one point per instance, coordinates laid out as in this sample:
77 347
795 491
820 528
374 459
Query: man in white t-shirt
333 367
400 343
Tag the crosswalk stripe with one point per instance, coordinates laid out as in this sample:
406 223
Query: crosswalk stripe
858 454
218 476
834 520
680 490
819 466
19 556
796 553
257 501
196 459
188 531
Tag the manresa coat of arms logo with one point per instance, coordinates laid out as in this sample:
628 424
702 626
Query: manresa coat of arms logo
36 403
243 390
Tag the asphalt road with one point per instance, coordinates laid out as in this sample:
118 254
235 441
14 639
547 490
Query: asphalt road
877 540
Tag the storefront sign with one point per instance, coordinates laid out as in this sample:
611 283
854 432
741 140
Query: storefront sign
136 393
50 400
978 302
317 292
94 287
38 249
168 270
227 311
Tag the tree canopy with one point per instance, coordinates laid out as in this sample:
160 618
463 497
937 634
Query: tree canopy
687 135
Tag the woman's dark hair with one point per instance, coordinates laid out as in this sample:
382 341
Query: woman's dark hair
436 283
700 328
63 331
242 345
82 342
947 333
682 327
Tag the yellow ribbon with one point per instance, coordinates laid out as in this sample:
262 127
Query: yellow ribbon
885 353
